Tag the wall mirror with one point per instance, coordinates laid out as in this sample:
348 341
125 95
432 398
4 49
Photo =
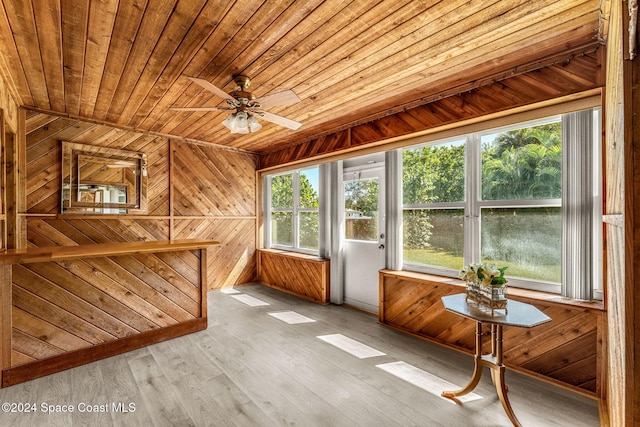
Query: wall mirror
103 180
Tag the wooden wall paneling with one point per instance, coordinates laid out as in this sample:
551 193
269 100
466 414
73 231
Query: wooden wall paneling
43 159
5 316
186 264
110 303
566 350
231 263
112 297
39 368
58 316
46 231
170 189
619 216
47 292
203 281
143 294
16 187
304 276
212 182
5 138
157 150
310 149
168 283
23 343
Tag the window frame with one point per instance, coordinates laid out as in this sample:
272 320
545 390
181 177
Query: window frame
473 205
295 210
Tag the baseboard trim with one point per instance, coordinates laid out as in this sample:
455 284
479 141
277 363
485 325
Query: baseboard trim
40 368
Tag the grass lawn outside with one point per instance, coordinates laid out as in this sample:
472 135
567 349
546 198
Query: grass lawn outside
444 259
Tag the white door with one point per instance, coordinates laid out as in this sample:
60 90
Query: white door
364 253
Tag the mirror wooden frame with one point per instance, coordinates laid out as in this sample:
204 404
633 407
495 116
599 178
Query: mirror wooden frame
102 180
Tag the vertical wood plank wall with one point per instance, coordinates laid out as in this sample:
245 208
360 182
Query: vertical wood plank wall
210 194
568 350
620 278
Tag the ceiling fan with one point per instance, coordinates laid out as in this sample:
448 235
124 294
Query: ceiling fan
247 107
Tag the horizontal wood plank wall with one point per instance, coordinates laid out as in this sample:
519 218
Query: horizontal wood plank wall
298 274
567 351
569 76
207 192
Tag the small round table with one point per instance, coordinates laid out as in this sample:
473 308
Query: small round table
518 314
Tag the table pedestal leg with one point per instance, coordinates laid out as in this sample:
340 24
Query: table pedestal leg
493 362
477 368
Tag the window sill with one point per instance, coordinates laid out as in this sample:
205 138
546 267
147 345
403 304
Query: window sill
517 293
292 254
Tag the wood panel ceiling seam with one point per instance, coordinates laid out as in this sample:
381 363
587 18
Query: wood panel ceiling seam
126 29
101 19
17 81
165 68
154 20
75 19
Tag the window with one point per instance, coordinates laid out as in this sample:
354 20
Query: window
293 215
433 194
497 196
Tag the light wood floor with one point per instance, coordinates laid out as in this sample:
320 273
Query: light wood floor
251 369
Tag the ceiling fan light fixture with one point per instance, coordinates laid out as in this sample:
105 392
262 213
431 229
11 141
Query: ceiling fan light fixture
254 125
237 123
241 122
230 122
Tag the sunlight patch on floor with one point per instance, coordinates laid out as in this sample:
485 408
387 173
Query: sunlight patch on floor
291 317
425 380
249 300
351 346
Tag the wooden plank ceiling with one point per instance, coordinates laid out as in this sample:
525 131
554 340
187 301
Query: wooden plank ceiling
124 63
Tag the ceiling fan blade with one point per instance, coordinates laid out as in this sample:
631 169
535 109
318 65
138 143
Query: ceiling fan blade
210 87
279 120
286 97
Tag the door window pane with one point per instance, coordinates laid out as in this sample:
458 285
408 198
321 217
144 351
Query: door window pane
434 237
433 174
526 240
361 209
523 164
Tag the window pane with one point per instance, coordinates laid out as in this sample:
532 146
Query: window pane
309 183
282 228
523 164
526 240
309 230
433 174
434 237
282 191
361 209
